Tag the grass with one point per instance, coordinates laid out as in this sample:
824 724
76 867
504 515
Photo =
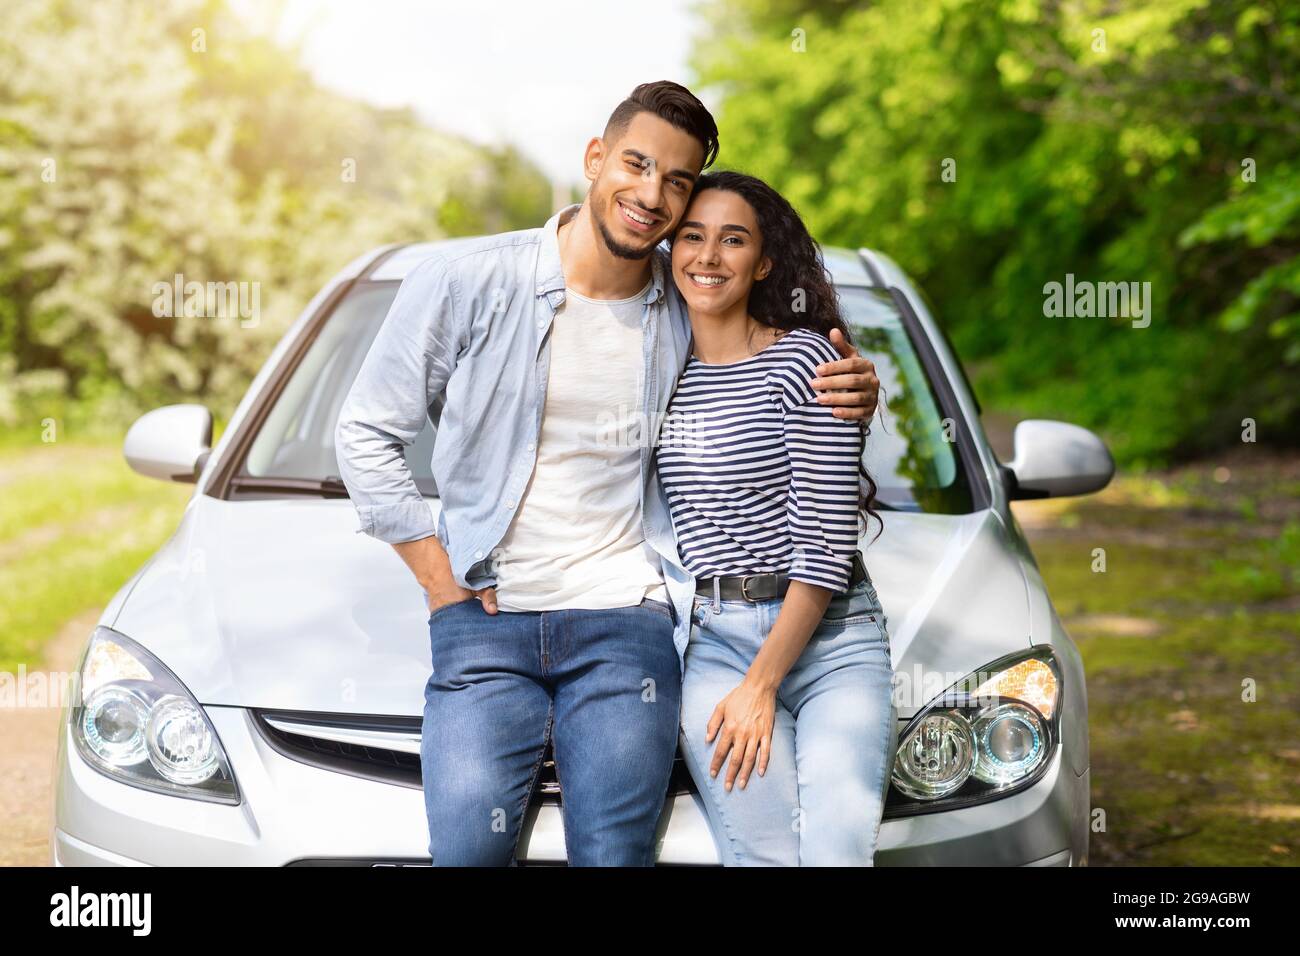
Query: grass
75 524
1189 638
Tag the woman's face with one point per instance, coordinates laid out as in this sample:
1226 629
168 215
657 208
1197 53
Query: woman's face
718 251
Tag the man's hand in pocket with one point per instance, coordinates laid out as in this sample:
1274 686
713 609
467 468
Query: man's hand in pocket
441 597
428 561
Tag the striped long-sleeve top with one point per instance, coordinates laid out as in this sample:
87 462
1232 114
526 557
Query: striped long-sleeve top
760 476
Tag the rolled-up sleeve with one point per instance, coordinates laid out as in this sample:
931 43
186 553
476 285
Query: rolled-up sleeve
824 453
407 367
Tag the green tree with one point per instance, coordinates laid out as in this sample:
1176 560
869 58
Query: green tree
994 147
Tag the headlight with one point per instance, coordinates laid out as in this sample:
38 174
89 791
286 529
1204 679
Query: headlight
134 721
990 733
1012 740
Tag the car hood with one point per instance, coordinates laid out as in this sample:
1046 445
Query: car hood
285 604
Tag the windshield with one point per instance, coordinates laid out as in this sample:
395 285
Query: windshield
913 461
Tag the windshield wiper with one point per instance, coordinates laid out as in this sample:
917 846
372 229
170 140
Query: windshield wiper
330 487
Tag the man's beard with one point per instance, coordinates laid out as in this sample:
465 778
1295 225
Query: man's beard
616 247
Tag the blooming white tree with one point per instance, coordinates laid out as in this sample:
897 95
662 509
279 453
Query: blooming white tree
139 141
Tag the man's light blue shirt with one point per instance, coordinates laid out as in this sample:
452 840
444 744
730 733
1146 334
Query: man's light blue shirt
474 320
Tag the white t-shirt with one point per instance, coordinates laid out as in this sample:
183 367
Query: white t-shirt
575 540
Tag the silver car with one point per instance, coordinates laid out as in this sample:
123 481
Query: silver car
253 695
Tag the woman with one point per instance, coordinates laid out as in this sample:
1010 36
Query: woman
789 672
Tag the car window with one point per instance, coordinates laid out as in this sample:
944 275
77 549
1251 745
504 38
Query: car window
297 438
914 463
909 454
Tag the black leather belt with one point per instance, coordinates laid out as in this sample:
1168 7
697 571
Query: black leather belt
763 587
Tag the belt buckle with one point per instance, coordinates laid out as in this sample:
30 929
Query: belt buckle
744 588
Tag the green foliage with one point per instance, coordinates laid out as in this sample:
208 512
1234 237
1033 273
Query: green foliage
1136 142
133 149
1273 571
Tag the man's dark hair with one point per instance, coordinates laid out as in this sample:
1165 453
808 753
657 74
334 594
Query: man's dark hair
673 103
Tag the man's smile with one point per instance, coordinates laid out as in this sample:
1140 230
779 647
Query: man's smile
641 220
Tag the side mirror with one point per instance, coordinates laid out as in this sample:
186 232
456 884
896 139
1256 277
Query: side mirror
1056 460
171 443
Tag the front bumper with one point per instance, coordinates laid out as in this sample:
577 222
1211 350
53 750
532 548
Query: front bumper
293 812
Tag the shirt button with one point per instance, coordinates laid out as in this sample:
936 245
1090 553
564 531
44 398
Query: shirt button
541 324
511 503
478 554
532 446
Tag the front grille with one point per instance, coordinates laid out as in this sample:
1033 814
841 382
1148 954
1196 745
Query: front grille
387 749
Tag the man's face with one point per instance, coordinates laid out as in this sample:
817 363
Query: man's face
640 183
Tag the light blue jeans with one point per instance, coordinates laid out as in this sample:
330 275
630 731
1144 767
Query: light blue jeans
833 742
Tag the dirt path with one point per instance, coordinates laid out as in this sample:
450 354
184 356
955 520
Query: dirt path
28 745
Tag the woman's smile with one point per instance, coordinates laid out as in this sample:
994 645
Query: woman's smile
707 280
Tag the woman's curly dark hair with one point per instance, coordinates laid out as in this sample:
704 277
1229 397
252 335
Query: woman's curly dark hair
797 293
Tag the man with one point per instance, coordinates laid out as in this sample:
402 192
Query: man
559 607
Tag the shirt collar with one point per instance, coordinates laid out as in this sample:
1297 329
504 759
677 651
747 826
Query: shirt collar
550 272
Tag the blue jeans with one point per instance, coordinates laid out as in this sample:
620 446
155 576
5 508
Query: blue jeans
604 686
833 741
